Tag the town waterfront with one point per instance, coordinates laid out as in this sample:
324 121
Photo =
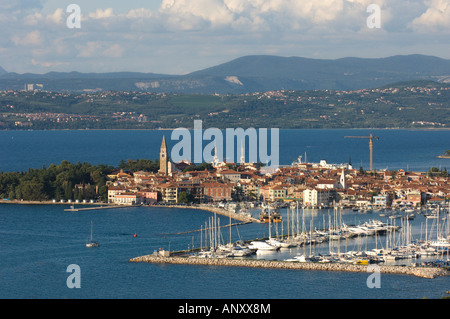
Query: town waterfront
40 241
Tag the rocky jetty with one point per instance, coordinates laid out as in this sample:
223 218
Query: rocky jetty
424 272
219 211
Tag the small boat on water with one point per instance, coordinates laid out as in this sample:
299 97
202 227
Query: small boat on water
92 243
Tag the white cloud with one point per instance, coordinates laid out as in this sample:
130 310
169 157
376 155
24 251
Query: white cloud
268 15
31 39
436 17
20 5
46 64
178 36
57 16
90 49
102 14
114 51
140 13
96 49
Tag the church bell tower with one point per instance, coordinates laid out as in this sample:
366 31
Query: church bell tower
163 158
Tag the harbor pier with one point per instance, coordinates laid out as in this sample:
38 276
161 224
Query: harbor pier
219 211
424 272
74 209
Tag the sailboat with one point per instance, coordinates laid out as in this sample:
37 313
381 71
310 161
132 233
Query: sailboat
92 243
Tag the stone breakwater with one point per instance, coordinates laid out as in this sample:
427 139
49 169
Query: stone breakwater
424 272
219 211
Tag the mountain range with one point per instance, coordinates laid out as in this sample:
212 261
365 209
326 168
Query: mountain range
256 73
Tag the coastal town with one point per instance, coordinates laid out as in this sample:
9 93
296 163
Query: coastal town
317 185
229 187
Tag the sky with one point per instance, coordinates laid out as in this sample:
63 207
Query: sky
182 36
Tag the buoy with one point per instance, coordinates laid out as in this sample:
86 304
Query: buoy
135 235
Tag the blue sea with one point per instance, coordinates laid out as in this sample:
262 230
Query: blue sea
396 149
39 242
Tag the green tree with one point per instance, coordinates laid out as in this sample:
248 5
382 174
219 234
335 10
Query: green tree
32 191
68 190
185 198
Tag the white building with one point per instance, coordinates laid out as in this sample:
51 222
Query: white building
231 175
127 199
113 191
343 181
316 197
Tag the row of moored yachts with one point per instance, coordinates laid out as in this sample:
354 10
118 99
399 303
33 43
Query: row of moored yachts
240 249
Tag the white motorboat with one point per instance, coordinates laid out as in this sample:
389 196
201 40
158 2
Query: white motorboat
298 258
239 251
262 246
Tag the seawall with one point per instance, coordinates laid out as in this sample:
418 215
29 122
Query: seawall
424 272
219 211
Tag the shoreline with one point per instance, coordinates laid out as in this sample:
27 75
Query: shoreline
171 129
444 156
423 272
31 202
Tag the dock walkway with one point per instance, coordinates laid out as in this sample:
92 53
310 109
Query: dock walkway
99 207
219 211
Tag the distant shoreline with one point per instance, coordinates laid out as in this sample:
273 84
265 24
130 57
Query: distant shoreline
31 202
190 128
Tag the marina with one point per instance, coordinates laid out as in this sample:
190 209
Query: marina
393 244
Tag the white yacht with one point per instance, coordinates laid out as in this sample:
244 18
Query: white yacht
274 242
92 243
261 245
239 251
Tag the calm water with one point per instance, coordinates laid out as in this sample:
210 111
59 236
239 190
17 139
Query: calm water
406 149
38 242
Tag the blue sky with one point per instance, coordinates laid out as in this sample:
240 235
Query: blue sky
181 36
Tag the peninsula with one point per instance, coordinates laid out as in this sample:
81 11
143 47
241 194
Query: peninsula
446 155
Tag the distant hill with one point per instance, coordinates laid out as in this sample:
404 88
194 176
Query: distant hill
252 74
411 104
